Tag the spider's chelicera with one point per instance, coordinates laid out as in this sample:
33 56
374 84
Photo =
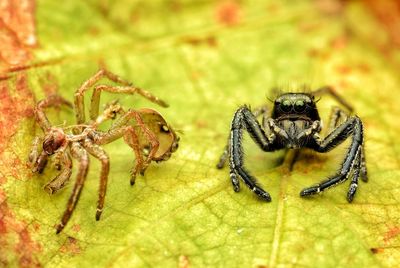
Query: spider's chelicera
144 130
294 123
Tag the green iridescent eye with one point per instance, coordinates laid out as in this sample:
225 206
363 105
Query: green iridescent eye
299 106
286 106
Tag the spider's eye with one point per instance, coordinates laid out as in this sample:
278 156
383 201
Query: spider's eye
299 106
286 106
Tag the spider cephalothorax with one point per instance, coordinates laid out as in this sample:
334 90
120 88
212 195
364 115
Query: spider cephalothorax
295 123
145 131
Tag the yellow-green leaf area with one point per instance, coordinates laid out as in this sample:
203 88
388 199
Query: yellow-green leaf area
206 58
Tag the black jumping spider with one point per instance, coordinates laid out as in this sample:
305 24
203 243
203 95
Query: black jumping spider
293 124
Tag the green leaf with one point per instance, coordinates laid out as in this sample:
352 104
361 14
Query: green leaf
206 58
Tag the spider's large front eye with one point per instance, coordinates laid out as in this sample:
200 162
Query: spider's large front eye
299 106
286 106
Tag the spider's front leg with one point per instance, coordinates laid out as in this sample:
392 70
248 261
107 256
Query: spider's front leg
263 110
352 162
244 119
338 116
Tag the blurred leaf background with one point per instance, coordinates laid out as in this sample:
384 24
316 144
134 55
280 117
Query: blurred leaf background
205 58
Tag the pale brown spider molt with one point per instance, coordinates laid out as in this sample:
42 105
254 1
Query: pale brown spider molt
149 136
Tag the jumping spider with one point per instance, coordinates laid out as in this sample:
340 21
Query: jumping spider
148 135
294 124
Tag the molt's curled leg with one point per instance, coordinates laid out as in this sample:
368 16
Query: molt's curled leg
100 154
352 126
244 119
81 155
37 157
66 170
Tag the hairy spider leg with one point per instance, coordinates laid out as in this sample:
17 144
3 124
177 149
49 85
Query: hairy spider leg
244 119
79 153
352 126
66 170
79 94
99 153
122 128
95 101
337 117
262 110
363 166
356 174
330 91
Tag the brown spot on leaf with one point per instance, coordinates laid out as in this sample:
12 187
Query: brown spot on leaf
376 250
49 84
390 234
308 26
273 8
71 246
364 68
183 261
343 69
174 5
228 13
339 42
76 227
201 124
12 229
16 103
26 248
17 35
330 7
388 14
17 31
211 41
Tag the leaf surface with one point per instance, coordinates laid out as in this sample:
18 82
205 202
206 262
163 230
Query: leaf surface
206 58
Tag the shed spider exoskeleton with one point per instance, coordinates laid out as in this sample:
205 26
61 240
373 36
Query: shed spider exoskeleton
149 136
294 124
